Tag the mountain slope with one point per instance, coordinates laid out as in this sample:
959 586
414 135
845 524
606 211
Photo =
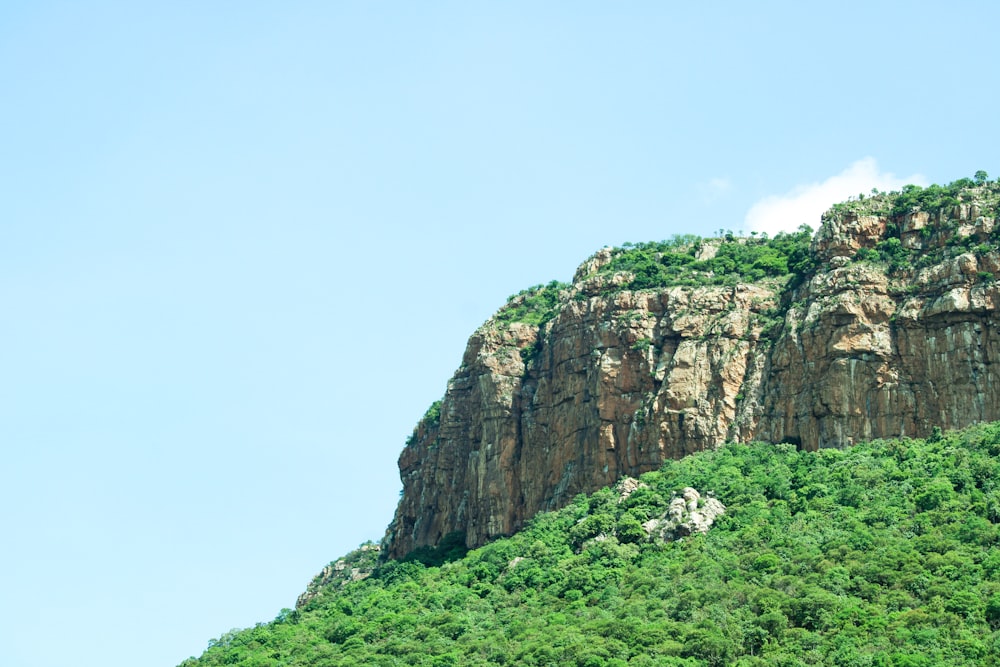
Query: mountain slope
881 554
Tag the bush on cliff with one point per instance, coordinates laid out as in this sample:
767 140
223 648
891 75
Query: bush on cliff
936 197
691 261
535 305
676 262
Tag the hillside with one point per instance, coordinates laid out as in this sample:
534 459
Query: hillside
884 323
881 554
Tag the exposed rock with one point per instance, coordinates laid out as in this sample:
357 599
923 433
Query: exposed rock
707 250
619 385
593 264
686 515
626 486
355 566
619 381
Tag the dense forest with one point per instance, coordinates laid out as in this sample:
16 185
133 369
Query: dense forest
882 554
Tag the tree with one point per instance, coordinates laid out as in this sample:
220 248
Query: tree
993 612
980 177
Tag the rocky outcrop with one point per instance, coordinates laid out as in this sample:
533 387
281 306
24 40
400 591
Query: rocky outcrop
688 514
865 353
618 385
618 381
355 566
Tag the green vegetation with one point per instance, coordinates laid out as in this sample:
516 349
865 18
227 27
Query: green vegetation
882 555
531 352
642 344
535 305
675 262
431 418
892 252
939 239
935 197
451 547
729 260
433 415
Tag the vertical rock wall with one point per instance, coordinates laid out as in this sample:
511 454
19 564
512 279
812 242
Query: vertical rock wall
620 381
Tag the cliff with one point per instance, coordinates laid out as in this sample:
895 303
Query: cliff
886 326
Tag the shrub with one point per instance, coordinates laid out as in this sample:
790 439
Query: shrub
535 305
673 263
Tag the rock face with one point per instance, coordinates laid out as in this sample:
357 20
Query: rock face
618 381
687 514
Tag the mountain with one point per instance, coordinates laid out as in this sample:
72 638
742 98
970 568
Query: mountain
884 324
603 450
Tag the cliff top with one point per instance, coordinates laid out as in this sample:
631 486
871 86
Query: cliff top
944 217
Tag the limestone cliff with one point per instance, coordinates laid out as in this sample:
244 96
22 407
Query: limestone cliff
890 329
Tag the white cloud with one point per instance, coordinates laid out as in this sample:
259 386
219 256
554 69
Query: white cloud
714 189
806 203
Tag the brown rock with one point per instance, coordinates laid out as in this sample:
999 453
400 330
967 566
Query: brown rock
621 382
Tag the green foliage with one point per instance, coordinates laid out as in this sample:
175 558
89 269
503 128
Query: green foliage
451 547
883 554
642 344
867 255
531 351
935 197
892 252
938 239
433 415
431 418
535 305
675 262
786 257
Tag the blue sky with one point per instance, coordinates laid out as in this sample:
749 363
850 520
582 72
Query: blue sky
242 247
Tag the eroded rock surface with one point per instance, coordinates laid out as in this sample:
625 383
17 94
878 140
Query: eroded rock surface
619 381
355 566
687 514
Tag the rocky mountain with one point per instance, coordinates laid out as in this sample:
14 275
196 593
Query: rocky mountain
882 324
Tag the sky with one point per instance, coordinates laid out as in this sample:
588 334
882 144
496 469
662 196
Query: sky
242 246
